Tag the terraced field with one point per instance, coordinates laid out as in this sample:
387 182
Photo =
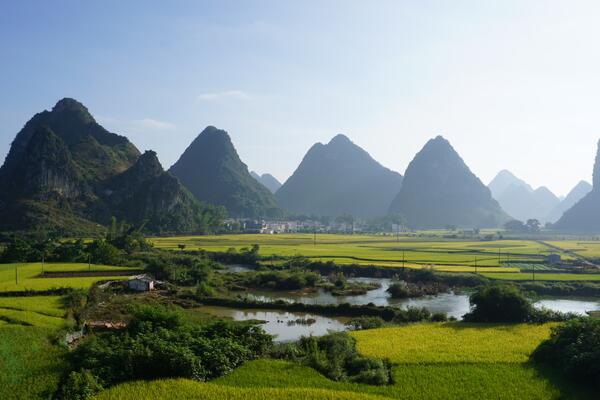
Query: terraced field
27 276
448 255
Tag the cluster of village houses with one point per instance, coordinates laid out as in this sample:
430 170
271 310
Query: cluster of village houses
292 226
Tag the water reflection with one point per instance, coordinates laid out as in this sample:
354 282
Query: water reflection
569 305
287 326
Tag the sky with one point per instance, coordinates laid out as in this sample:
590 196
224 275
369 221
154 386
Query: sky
511 84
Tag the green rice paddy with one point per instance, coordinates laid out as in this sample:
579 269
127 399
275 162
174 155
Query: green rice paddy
27 276
496 259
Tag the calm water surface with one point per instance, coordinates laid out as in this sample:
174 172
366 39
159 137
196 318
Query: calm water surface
281 323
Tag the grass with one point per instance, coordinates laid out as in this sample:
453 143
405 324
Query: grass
28 276
373 249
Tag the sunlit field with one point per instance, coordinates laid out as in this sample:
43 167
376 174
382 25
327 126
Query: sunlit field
432 361
528 276
584 248
377 249
26 276
177 389
452 342
429 361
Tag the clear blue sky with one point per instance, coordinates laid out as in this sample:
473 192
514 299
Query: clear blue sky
511 84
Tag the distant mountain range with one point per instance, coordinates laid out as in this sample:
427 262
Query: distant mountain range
64 172
584 215
267 180
577 193
522 202
338 178
212 170
440 190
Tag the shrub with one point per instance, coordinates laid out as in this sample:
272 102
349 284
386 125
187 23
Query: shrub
499 303
335 356
365 323
574 348
80 386
158 343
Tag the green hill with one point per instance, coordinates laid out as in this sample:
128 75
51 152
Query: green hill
584 216
66 173
212 170
339 178
440 190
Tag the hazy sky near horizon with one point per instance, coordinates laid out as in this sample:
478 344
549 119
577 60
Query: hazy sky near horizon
511 84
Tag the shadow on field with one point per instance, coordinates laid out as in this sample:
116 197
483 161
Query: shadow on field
567 388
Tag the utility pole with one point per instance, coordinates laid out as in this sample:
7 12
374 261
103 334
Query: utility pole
315 236
16 275
403 259
43 255
89 262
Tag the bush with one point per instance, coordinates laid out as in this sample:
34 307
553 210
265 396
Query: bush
158 343
499 303
574 348
80 386
365 323
335 356
102 252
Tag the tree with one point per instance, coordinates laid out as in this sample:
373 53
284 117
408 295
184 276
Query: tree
499 303
515 226
533 225
574 348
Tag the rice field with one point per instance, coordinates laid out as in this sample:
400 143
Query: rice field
432 361
26 276
427 343
583 248
180 389
382 250
442 381
528 276
429 361
38 311
30 365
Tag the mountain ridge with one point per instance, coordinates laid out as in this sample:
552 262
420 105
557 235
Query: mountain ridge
339 178
439 190
211 169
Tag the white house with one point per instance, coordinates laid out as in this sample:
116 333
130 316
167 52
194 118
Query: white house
141 283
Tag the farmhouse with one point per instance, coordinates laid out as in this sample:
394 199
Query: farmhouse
141 283
553 259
